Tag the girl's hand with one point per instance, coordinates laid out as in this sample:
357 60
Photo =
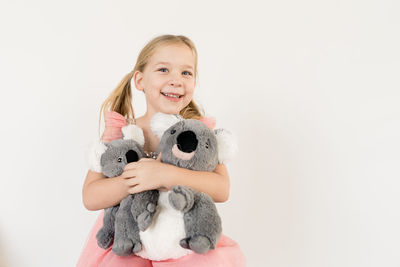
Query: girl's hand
145 174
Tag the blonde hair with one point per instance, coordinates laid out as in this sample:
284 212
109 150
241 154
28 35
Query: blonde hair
120 99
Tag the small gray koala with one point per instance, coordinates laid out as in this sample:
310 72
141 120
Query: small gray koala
123 222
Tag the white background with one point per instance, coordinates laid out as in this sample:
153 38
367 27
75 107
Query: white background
311 88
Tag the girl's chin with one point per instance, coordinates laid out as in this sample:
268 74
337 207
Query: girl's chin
171 109
177 104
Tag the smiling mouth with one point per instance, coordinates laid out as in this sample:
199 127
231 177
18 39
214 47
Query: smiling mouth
171 95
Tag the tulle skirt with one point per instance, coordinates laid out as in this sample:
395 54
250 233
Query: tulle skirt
227 254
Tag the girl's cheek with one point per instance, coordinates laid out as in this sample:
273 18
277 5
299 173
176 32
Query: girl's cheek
188 98
190 93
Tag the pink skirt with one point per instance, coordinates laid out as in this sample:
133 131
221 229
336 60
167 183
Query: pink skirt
227 253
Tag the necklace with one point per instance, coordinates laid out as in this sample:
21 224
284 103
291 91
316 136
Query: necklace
151 154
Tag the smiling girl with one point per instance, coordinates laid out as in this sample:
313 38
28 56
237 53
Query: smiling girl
166 72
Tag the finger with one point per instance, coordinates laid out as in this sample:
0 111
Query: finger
159 157
129 174
130 166
145 159
132 182
135 189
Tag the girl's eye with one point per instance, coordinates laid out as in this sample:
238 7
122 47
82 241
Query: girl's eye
186 73
119 159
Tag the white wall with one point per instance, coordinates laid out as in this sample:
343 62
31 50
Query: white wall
311 88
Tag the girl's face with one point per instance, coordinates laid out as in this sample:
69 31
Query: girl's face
168 79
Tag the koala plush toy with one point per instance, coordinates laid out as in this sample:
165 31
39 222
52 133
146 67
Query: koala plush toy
122 223
185 220
160 225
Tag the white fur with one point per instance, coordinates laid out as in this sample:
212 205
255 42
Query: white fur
227 145
160 122
134 132
97 149
161 240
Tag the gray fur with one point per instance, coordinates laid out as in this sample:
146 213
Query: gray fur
205 159
110 166
105 235
121 223
202 222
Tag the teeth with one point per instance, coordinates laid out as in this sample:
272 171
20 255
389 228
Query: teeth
175 96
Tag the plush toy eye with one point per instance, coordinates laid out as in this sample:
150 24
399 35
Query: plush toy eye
173 131
119 159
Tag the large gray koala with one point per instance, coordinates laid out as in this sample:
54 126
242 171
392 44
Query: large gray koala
186 220
122 223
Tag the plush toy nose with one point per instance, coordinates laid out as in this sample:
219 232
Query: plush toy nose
131 156
187 141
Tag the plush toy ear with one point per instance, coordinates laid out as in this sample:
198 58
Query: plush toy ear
98 148
133 132
227 145
160 122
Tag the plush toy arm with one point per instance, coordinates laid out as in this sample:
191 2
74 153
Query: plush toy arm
127 239
182 198
135 214
143 208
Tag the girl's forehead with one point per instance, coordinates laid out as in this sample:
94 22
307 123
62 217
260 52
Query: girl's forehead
177 54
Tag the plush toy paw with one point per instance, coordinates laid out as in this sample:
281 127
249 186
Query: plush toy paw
104 238
125 246
199 244
145 219
181 198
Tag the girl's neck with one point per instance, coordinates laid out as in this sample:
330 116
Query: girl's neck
151 140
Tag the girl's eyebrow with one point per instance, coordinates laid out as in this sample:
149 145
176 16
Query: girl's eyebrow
167 63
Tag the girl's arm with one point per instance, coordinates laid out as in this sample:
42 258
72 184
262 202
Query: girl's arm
100 192
149 174
215 184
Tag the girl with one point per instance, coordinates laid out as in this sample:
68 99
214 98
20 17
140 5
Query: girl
166 72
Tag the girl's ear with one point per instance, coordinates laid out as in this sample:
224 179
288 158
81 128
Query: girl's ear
160 122
227 145
98 148
133 132
138 80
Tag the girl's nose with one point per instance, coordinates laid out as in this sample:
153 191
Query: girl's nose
175 82
175 79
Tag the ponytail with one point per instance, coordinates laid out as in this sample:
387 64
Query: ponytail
120 100
191 111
